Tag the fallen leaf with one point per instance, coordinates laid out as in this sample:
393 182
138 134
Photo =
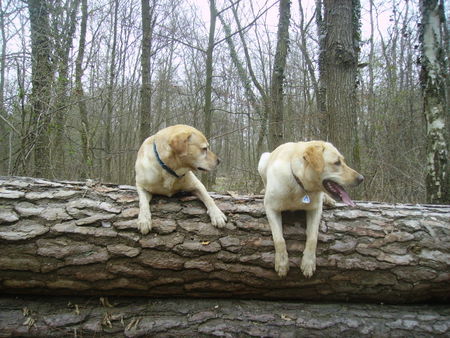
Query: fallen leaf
133 324
105 302
29 322
233 194
285 317
106 320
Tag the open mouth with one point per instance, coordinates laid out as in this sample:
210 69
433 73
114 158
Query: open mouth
337 192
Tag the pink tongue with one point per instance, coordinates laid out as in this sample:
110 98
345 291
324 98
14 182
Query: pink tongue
346 198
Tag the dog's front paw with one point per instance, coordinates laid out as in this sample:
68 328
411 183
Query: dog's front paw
218 218
308 265
328 201
281 263
144 224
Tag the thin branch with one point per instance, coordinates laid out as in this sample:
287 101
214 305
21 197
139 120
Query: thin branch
247 26
10 125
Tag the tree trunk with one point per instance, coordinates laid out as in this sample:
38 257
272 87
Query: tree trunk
111 97
433 79
137 317
207 109
321 95
86 168
339 58
68 237
276 133
146 89
41 79
64 31
4 133
209 69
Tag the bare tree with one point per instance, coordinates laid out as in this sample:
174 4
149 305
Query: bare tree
276 134
207 108
339 61
209 68
3 133
321 95
262 108
148 24
111 98
64 25
42 78
86 166
433 80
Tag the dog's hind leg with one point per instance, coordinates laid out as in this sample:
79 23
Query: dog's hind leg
281 255
145 217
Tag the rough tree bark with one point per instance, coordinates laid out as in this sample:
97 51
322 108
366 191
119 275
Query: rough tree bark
63 28
137 317
208 108
86 167
339 38
148 24
72 238
435 107
42 81
110 100
322 90
209 69
276 133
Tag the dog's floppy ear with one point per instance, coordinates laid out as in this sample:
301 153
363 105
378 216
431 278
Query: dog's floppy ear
314 156
179 143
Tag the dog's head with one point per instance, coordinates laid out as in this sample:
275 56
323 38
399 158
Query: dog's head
191 148
327 165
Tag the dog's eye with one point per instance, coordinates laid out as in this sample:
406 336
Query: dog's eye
338 162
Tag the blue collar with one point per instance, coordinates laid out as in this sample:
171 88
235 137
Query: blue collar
165 167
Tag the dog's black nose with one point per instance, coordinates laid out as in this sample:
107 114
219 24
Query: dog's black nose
360 178
218 161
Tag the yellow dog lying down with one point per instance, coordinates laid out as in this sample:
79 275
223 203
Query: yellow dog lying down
164 166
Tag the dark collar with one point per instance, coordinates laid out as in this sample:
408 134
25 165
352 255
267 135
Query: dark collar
165 167
306 199
298 181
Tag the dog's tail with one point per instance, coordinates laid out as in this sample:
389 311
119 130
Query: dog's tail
262 166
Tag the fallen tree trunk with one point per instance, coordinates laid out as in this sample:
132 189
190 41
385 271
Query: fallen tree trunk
130 317
71 238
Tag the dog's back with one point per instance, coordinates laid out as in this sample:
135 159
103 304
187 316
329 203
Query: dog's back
262 166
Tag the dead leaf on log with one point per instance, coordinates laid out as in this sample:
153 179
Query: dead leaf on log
105 302
133 324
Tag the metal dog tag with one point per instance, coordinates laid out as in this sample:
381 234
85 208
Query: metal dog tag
306 199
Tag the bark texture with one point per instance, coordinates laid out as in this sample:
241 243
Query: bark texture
339 57
77 238
128 317
42 81
86 168
435 107
148 24
276 132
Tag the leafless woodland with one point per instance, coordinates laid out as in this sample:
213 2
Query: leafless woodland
83 82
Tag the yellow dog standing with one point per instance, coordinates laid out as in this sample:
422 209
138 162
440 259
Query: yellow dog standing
296 176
